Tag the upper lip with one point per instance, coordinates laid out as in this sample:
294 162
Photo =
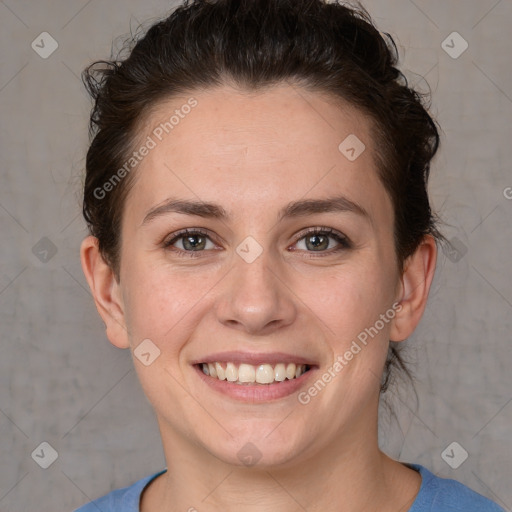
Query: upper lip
254 358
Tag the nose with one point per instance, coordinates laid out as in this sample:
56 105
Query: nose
255 297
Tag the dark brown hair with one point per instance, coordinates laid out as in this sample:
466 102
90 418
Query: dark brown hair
324 47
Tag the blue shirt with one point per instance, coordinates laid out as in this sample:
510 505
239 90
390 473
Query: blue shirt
435 495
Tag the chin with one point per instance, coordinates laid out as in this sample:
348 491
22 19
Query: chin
261 446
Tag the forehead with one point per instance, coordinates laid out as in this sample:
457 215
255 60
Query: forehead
278 118
251 147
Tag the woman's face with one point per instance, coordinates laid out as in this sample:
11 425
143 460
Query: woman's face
258 290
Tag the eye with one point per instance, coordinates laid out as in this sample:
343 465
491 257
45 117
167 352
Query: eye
191 240
317 240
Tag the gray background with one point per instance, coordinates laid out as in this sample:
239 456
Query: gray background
63 383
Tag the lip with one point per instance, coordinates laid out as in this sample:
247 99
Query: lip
255 393
253 358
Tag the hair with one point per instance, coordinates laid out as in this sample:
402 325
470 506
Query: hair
329 48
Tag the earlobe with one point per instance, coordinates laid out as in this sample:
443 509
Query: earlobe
415 286
105 291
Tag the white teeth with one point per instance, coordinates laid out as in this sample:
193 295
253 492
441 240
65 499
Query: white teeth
249 374
264 374
246 373
290 371
231 372
280 372
221 374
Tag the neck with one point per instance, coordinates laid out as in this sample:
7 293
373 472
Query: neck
353 474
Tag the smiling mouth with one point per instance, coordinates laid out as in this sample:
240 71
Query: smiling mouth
248 374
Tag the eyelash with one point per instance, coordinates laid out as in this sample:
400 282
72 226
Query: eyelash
344 242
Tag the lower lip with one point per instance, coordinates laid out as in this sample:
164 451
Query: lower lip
255 392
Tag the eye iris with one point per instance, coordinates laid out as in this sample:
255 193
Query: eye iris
190 239
193 242
316 245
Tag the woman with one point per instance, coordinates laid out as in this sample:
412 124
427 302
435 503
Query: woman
256 194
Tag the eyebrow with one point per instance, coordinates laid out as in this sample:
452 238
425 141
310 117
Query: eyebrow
291 210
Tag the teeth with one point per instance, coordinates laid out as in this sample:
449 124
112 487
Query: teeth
221 374
249 374
231 372
280 372
264 374
246 373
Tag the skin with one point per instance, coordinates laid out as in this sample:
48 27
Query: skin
253 154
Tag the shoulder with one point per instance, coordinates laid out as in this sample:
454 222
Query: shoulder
121 500
446 495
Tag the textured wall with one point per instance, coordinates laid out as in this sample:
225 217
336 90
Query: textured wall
61 381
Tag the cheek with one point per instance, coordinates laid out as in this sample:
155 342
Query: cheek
161 304
350 300
149 305
357 336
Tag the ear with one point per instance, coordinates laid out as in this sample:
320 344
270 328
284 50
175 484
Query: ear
414 287
106 292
